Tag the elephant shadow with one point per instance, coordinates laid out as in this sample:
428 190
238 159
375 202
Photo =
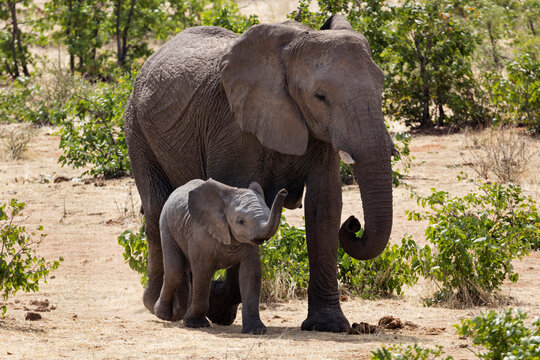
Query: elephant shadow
295 334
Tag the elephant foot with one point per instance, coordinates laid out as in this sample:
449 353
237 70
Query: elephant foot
223 307
326 320
254 327
199 322
151 294
163 311
224 316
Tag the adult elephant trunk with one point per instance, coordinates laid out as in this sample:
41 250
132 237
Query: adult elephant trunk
375 180
269 227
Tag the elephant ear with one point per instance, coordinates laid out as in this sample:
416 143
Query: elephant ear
206 206
255 187
336 22
254 80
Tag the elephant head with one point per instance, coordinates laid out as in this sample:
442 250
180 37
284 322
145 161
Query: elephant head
286 83
224 210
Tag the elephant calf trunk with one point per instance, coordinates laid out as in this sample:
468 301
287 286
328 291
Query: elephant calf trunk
269 228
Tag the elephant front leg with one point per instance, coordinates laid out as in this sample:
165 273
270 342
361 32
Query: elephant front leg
200 290
322 212
250 288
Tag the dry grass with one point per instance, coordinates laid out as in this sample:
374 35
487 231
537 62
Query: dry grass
504 153
15 141
281 288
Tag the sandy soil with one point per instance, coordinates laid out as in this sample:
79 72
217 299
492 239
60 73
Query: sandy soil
93 300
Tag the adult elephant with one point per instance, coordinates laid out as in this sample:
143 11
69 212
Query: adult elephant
275 105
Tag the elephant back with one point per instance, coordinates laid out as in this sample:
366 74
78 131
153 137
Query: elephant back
170 79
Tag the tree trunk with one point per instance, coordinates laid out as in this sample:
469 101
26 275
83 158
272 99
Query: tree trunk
426 99
442 116
126 31
69 37
17 52
531 25
118 38
493 44
122 39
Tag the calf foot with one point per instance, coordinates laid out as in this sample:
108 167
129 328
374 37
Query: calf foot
199 322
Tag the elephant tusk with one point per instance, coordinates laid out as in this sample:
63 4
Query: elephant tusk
346 157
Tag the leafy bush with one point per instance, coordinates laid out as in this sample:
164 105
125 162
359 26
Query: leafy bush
411 352
97 137
475 239
285 267
20 268
136 251
227 15
22 101
38 100
285 263
516 97
382 276
504 336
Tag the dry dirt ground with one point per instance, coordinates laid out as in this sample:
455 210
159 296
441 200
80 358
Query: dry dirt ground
93 301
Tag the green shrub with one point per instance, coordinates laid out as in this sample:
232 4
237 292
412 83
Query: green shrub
227 15
475 239
96 136
285 267
136 251
20 268
516 97
382 276
411 352
285 263
504 336
24 101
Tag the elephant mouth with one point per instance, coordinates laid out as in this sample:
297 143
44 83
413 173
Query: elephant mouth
258 241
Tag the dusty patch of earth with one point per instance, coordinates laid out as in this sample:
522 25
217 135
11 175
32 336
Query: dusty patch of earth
91 306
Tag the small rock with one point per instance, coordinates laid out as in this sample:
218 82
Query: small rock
32 316
344 298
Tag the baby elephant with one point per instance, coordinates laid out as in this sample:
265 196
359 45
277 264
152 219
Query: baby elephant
206 226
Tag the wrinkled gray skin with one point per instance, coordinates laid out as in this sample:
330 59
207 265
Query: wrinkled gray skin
275 105
206 226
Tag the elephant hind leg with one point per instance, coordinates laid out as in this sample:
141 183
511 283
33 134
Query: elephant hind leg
175 267
154 189
224 298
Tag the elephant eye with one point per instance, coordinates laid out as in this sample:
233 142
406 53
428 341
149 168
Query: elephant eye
240 221
320 96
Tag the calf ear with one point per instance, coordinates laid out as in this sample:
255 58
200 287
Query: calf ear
206 206
255 187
